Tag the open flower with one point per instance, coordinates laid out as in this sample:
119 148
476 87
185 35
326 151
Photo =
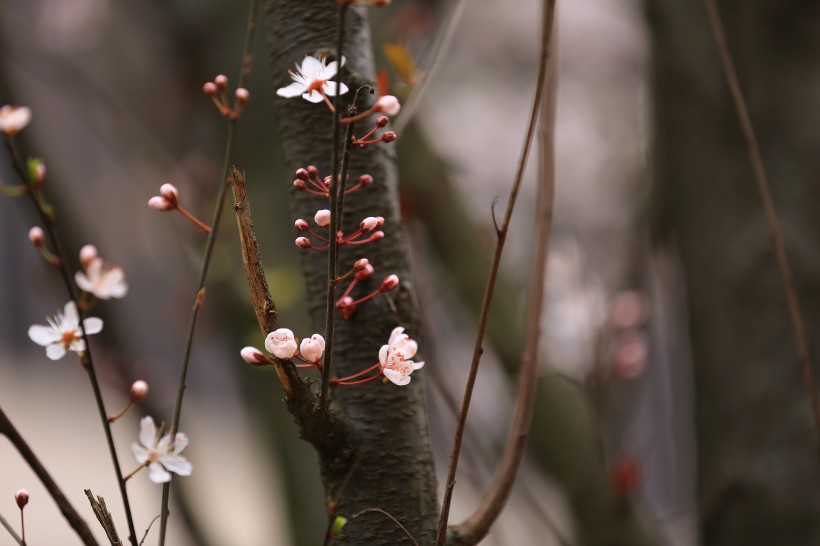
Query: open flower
14 119
102 279
63 332
281 343
312 80
161 455
395 357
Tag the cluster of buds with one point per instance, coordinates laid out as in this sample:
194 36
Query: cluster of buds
168 199
361 271
218 91
368 231
308 180
282 344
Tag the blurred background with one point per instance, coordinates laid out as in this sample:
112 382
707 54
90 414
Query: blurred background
661 280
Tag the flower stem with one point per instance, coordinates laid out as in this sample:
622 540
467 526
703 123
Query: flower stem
206 256
4 522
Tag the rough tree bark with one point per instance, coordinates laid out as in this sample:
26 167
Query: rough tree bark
384 459
759 477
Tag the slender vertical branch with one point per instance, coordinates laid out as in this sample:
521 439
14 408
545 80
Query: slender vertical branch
71 515
476 527
85 357
207 254
756 160
478 349
335 220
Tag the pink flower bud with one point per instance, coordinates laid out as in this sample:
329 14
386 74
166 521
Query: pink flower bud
313 170
346 307
364 273
209 89
139 390
301 224
387 104
365 180
281 343
327 180
221 81
370 223
254 356
170 192
39 174
303 242
36 236
88 253
21 498
377 236
302 174
160 203
361 263
389 283
242 95
382 121
389 136
298 184
322 218
312 348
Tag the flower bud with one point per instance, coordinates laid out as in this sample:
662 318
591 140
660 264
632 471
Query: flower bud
387 104
160 203
360 264
21 498
281 343
88 254
39 174
322 218
312 348
139 390
364 273
299 184
254 356
370 223
313 170
302 174
242 95
382 121
170 192
365 180
389 283
377 236
303 242
209 89
221 81
14 119
36 236
301 224
346 307
389 136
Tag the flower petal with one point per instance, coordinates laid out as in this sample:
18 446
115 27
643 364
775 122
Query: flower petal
43 335
83 281
312 68
395 377
180 442
397 331
56 351
148 432
158 474
314 96
417 365
177 464
293 90
330 88
70 315
140 453
383 355
92 325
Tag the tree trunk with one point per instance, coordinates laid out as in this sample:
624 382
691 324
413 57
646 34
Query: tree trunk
383 460
759 478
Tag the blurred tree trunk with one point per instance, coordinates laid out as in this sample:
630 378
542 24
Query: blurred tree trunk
759 479
385 460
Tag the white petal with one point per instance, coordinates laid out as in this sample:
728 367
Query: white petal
83 282
158 474
383 355
396 377
312 68
397 331
70 315
78 345
148 432
329 71
178 464
330 88
418 365
43 335
92 325
314 96
180 442
56 351
140 453
293 90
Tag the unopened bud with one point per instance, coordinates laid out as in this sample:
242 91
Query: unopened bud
364 273
377 236
302 174
365 180
88 253
301 224
382 121
170 192
360 264
313 170
36 236
389 136
221 81
160 203
298 184
209 89
389 283
21 498
39 174
322 218
303 242
242 95
370 223
139 390
387 104
254 356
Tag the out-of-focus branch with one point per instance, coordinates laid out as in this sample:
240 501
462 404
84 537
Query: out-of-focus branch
476 527
546 33
11 530
772 223
71 515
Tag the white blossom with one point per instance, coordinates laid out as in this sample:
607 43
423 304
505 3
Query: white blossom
161 455
313 80
281 343
312 348
63 332
14 118
395 357
103 280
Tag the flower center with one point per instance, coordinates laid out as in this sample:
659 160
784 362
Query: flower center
68 338
316 85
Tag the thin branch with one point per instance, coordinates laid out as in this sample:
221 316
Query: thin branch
546 32
759 170
86 359
104 517
335 220
476 527
397 522
148 529
207 253
71 515
11 530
